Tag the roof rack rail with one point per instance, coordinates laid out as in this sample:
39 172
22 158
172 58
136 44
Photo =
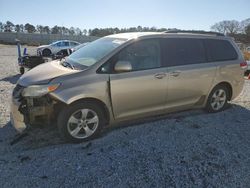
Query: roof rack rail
195 32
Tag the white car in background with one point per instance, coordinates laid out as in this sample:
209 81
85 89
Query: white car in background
55 47
79 46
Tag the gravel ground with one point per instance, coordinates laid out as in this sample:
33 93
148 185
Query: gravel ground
188 149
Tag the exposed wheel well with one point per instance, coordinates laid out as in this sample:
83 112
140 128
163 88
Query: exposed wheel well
101 104
228 86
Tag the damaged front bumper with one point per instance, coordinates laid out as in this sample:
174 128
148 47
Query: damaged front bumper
16 117
30 111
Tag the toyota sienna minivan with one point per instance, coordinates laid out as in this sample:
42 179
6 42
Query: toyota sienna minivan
129 76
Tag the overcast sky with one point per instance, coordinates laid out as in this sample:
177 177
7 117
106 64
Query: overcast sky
89 14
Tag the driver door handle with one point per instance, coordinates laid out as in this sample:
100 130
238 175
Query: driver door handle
160 75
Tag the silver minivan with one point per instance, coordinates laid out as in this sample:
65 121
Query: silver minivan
128 76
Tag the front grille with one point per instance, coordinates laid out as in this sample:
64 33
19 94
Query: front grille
17 91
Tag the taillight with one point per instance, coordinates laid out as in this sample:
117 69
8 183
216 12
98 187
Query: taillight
243 65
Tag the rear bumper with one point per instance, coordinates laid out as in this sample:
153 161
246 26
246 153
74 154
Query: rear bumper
16 117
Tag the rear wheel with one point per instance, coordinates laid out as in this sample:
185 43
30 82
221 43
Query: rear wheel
46 52
218 99
80 122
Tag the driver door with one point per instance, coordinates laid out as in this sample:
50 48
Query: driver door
142 90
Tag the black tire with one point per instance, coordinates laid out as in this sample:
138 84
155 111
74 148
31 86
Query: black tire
22 70
65 115
210 107
46 52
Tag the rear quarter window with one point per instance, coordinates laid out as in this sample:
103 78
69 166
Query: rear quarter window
220 50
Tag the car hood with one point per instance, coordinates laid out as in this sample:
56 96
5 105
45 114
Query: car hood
43 46
44 73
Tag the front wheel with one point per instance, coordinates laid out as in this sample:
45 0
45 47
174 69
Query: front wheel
217 99
80 122
46 52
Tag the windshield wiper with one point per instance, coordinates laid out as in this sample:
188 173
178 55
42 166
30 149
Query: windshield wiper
67 64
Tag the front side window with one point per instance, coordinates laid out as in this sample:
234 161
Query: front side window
220 50
183 51
142 55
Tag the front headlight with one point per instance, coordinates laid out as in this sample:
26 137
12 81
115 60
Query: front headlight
39 90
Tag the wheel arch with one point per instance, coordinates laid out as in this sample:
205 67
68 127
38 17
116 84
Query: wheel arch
47 49
227 85
98 102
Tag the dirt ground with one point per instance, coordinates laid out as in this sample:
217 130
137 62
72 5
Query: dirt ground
188 149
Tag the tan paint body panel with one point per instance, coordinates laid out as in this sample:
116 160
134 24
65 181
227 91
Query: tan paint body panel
137 93
192 82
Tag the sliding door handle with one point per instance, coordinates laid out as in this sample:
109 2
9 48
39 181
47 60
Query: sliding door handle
160 75
175 73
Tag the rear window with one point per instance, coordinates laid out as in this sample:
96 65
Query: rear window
220 50
183 51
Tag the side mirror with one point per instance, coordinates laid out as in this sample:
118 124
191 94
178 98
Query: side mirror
123 66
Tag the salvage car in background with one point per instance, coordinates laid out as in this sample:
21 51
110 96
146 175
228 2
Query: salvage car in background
66 52
127 76
54 48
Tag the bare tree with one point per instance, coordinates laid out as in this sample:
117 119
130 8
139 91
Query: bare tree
219 27
233 26
227 27
245 24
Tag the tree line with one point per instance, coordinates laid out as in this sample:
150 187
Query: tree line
99 32
229 27
29 28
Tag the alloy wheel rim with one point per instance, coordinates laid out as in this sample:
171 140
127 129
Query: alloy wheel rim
83 123
218 99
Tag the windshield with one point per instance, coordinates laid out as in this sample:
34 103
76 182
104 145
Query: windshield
94 51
